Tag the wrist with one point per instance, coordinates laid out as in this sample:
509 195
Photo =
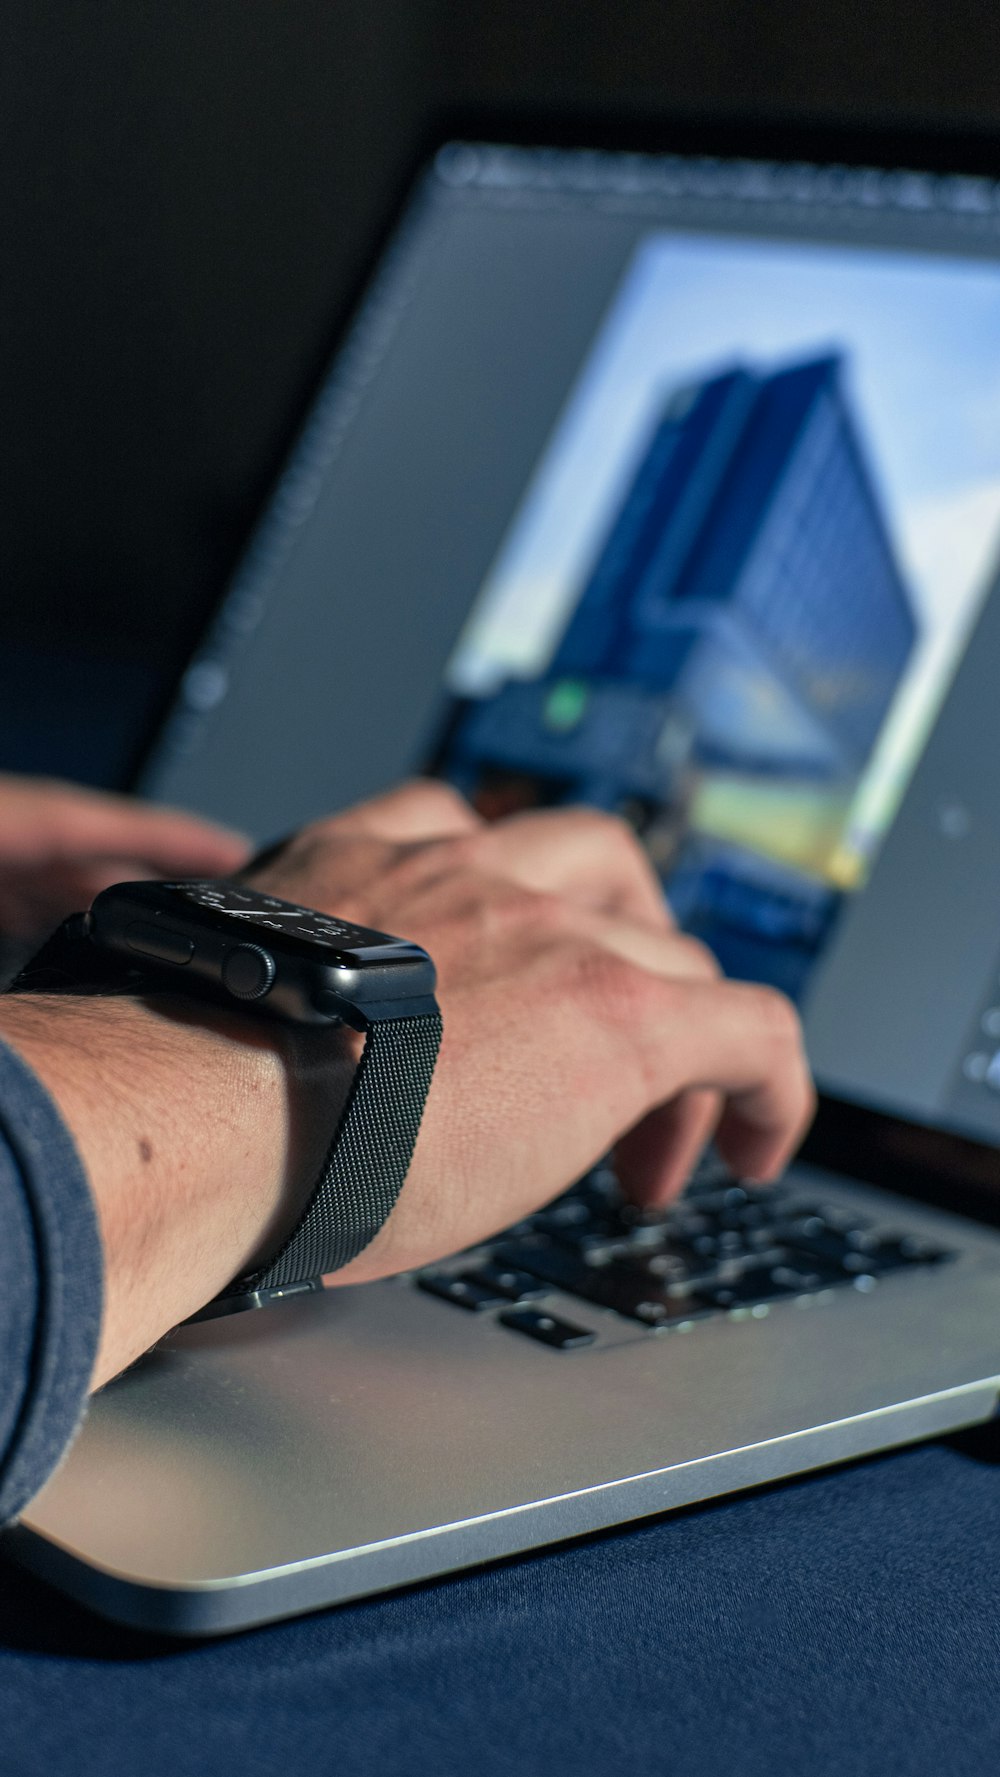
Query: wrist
199 1132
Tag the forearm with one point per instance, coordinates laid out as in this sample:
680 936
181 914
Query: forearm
196 1133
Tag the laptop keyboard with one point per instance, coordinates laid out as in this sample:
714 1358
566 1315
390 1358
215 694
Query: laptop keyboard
723 1248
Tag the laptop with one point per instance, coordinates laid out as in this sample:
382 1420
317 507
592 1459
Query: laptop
669 484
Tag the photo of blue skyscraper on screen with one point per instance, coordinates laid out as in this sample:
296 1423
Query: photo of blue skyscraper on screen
749 573
736 643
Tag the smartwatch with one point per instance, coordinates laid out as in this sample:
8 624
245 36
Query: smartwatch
228 943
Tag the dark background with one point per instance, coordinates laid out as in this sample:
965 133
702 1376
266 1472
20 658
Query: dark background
189 193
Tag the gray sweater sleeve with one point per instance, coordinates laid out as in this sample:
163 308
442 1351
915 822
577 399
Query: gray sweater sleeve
50 1286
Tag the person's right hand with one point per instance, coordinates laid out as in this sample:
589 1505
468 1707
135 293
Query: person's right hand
576 1018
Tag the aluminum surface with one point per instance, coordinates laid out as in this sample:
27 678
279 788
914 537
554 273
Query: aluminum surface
325 1448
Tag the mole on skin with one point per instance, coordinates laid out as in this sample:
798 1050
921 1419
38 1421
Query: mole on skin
145 1149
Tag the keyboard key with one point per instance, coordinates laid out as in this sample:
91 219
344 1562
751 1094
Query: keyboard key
562 1216
730 1245
846 1221
645 1229
711 1250
670 1267
629 1292
513 1285
600 1190
763 1283
465 1291
822 1244
596 1240
560 1334
859 1250
892 1254
553 1265
638 1298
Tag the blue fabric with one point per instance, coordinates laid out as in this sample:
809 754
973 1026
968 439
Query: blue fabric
50 1285
846 1624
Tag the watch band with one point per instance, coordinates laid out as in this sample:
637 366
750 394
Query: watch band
67 963
368 1159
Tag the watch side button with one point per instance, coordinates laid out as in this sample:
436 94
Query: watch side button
157 942
328 1003
247 971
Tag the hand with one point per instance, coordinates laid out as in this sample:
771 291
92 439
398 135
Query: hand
60 845
576 1017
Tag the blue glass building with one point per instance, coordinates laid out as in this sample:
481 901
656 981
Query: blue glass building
750 571
745 614
746 606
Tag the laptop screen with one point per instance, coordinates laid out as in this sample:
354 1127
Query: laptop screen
671 486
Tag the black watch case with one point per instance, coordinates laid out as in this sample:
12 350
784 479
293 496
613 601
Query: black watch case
228 941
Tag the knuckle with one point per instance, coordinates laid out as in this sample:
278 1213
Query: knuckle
700 960
433 799
460 852
501 907
410 863
316 840
526 912
616 989
612 831
776 1015
549 916
489 911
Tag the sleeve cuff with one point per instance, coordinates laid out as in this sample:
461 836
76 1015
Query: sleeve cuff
64 1295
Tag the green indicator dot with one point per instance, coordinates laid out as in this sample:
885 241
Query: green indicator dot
565 705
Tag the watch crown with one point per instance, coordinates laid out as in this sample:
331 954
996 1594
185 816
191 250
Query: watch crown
247 971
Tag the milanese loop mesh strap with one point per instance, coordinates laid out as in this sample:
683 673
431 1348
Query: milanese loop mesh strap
369 1157
66 964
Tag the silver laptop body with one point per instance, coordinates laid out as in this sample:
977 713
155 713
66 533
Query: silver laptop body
670 485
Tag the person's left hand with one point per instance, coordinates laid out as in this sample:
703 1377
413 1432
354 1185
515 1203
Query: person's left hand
61 844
